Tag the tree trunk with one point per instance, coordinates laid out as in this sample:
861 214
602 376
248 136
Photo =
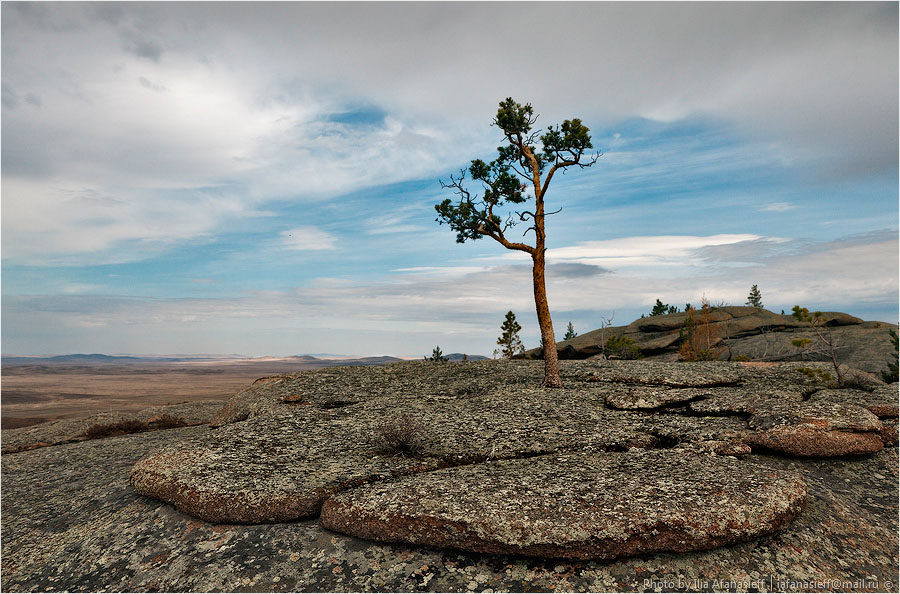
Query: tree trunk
548 340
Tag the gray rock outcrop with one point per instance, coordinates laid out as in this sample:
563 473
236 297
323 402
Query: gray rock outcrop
751 332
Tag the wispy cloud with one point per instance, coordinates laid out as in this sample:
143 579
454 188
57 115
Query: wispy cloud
777 207
308 239
408 311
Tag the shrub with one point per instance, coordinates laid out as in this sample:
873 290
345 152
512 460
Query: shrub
699 338
401 436
117 428
166 421
622 347
825 344
818 375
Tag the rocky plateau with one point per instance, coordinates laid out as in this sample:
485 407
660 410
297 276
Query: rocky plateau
466 476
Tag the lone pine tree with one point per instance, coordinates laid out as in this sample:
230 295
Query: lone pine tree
509 341
507 180
570 332
754 299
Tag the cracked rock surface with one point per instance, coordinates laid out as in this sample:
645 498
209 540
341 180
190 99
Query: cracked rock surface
599 506
309 442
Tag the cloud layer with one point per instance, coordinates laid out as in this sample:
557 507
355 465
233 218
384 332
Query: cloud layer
272 166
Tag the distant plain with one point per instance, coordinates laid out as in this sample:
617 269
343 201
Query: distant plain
42 390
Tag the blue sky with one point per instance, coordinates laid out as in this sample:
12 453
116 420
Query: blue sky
260 179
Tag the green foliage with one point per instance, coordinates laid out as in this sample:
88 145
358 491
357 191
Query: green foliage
437 356
890 375
818 375
801 343
506 179
802 314
740 358
570 332
661 309
510 344
754 299
622 347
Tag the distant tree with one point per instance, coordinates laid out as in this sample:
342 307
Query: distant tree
570 332
892 374
754 299
518 168
826 343
510 344
437 355
661 309
699 338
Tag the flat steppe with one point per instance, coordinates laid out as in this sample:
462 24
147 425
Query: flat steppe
40 392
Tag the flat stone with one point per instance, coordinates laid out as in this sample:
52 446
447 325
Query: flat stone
672 375
816 429
600 506
281 466
741 401
642 398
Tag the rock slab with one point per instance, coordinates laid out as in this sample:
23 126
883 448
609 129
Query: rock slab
601 506
816 429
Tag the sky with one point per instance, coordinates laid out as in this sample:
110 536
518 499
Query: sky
260 178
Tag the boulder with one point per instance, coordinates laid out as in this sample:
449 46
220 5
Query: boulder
586 507
816 429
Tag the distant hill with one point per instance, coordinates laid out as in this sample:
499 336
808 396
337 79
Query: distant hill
92 359
459 356
751 332
100 359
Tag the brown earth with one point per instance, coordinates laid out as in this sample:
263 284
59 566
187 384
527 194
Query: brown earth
35 394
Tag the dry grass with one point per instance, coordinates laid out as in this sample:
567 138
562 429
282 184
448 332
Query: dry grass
401 436
118 428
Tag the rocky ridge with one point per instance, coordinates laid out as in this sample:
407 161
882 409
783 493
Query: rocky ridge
751 332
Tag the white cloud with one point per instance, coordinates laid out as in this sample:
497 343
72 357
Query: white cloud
308 239
136 100
405 313
776 207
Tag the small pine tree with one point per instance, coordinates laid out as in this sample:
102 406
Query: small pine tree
570 332
437 355
754 299
659 309
510 344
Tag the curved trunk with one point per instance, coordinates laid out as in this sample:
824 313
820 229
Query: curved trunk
548 340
